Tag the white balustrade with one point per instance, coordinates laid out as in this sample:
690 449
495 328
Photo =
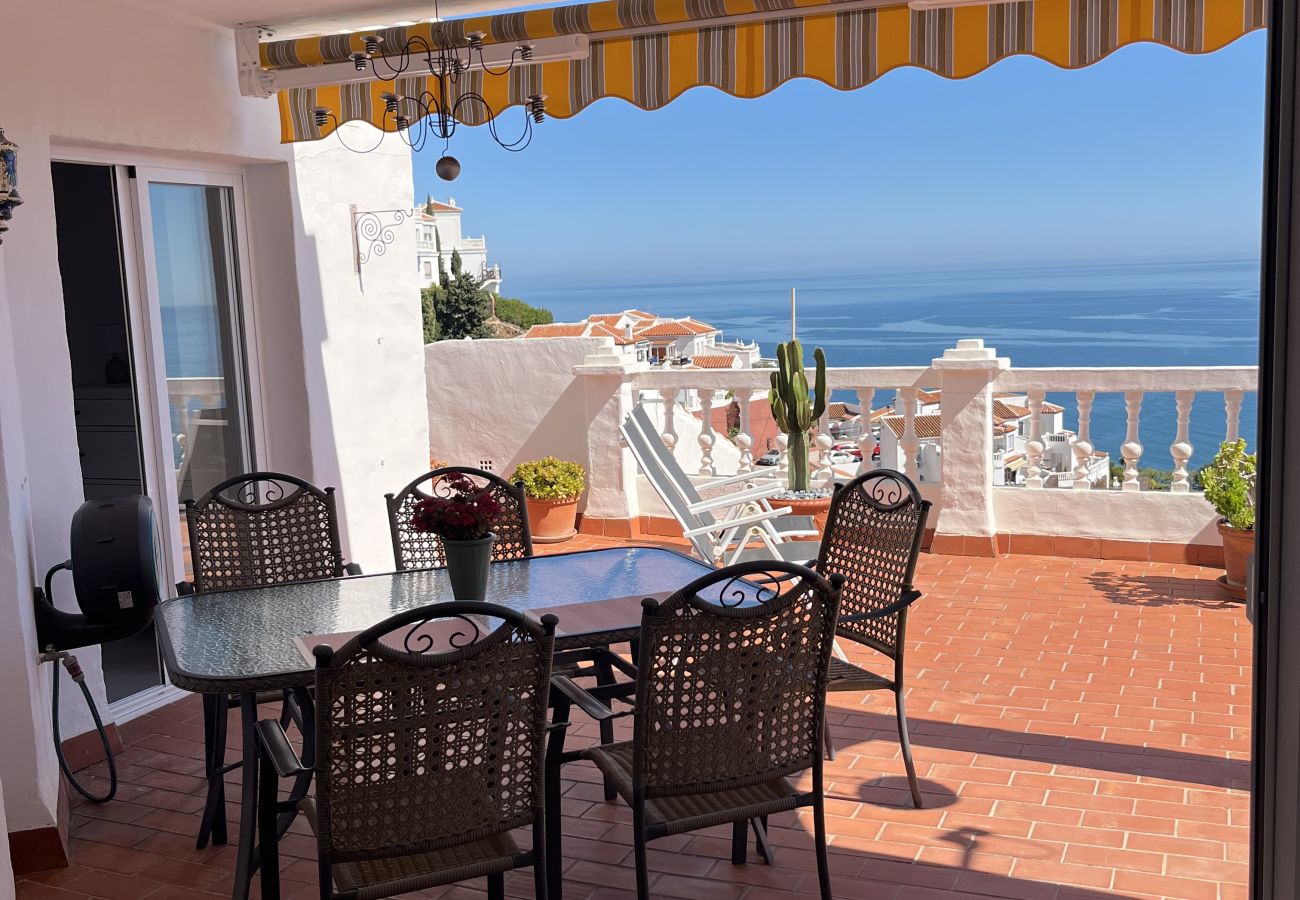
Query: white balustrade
866 441
909 442
707 436
1181 449
1232 413
1083 444
1131 449
745 437
669 400
823 474
1035 447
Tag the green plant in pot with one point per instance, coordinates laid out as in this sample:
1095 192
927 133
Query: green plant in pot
552 488
796 412
1229 484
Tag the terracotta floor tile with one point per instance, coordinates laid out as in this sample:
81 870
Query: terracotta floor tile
1081 728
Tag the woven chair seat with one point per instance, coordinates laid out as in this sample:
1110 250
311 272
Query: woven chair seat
845 676
373 878
688 812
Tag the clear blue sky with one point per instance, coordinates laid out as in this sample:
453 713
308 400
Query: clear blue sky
1149 154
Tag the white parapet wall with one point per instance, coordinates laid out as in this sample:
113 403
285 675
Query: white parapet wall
1154 516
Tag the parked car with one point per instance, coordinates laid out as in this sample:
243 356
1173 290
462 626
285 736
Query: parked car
850 448
770 458
843 458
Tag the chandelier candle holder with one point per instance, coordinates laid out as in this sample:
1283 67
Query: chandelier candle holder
437 86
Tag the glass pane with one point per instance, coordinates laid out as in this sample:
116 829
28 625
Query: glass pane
198 294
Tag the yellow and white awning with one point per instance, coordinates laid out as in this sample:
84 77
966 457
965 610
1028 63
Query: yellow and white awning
649 52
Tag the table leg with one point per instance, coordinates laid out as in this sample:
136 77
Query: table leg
212 826
245 861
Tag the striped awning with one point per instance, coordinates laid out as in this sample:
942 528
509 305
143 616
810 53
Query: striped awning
649 52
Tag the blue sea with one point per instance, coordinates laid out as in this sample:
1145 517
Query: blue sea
1183 313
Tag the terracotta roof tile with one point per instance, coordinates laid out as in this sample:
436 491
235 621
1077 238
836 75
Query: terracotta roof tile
713 361
928 426
557 329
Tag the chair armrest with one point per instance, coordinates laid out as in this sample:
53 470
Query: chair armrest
351 569
733 479
277 749
738 522
184 589
581 699
736 498
897 606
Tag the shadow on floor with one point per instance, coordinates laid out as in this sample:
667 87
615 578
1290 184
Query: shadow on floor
1159 590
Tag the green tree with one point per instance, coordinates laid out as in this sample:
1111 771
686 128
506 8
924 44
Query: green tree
463 306
517 312
430 298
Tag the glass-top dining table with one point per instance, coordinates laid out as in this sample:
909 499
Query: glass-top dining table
249 641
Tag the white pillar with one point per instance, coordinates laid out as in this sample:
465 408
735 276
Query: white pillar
607 378
1181 450
966 375
1083 446
1131 449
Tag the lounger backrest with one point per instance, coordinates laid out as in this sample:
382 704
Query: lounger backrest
650 466
667 461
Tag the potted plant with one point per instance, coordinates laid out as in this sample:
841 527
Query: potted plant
1229 484
795 415
551 491
463 517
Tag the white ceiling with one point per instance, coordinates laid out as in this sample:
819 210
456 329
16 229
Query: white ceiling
292 18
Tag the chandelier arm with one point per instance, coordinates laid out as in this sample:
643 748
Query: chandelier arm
515 55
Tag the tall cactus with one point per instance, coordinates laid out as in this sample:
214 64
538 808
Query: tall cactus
794 413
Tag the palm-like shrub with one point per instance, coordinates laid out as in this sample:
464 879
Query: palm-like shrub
1229 483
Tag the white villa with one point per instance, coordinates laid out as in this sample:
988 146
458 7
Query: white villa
659 340
438 233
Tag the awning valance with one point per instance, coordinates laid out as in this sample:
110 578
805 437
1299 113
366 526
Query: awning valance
649 52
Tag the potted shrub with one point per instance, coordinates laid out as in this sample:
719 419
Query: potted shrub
463 517
551 490
796 414
1229 484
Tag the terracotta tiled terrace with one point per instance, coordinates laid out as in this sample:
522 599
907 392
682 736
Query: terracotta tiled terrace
1081 728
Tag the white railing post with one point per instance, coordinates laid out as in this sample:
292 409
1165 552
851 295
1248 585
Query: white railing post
1232 414
745 438
669 399
1035 446
783 447
1181 449
966 375
707 436
607 380
866 443
823 474
1083 444
909 441
1131 450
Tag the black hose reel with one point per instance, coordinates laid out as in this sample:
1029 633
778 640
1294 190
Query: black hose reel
116 567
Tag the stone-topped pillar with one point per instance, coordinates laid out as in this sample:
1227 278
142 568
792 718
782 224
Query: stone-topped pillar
607 380
966 374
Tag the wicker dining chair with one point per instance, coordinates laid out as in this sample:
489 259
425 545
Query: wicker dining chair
414 549
254 530
430 733
873 537
730 699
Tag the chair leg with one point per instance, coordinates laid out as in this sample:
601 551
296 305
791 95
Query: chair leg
819 836
828 740
554 868
739 840
212 824
639 842
761 843
605 676
267 822
497 886
907 749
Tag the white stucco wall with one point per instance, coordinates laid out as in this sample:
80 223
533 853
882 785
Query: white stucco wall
1110 515
507 401
362 344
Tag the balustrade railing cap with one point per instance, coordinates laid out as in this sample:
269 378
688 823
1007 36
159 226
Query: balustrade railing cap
970 353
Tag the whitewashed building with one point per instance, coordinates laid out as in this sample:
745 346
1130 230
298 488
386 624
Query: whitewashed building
438 234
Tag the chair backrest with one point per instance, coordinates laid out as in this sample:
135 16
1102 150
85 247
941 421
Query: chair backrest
413 549
731 679
263 528
873 536
641 446
430 730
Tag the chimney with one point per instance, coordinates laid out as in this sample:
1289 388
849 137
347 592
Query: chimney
627 331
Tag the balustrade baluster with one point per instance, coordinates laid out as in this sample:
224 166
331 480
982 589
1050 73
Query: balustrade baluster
1131 450
909 442
669 400
823 474
1181 449
745 438
1083 444
1232 414
1034 447
707 436
866 443
783 447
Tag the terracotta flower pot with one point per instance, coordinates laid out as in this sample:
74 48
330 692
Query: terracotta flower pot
552 521
819 508
1237 547
468 563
